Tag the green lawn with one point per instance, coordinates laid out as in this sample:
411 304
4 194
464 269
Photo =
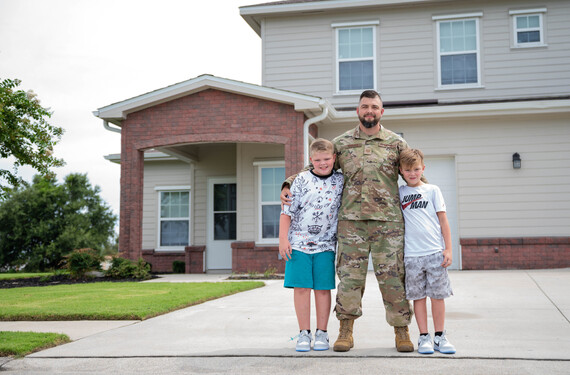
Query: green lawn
98 301
20 344
23 275
109 300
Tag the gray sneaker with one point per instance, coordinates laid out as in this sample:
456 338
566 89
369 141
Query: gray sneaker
304 341
321 340
425 345
442 345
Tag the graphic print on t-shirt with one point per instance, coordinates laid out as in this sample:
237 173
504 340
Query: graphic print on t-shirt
412 202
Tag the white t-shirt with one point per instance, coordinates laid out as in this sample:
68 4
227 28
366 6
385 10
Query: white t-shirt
420 206
314 211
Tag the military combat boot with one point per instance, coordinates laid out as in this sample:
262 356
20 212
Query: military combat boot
344 341
403 342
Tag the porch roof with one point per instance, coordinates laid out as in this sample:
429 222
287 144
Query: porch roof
115 113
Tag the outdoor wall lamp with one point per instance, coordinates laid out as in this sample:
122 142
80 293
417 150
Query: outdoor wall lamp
516 161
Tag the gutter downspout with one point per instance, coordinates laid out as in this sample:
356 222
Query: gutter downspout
306 125
106 126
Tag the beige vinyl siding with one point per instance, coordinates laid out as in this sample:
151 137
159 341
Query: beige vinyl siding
248 185
299 53
495 200
160 174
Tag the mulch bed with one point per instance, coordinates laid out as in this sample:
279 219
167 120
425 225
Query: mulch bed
58 280
256 277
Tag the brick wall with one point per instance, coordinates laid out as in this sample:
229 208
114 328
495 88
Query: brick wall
193 258
515 253
246 257
162 261
208 116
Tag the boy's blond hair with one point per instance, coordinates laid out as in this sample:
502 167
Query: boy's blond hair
321 145
410 157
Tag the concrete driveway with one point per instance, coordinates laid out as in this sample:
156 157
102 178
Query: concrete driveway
501 322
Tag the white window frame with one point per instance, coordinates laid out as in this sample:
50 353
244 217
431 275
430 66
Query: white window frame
173 189
355 25
463 17
261 165
528 12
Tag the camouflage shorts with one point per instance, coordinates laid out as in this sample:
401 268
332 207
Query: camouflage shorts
425 277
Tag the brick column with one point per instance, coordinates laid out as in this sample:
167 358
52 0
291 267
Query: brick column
194 259
132 171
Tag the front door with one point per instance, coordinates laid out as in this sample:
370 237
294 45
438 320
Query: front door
221 223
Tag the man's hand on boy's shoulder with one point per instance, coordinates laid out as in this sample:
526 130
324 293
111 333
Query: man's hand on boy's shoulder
285 196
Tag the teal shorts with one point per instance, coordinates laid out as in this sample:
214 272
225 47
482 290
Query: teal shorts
312 271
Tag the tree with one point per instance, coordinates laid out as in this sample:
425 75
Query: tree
40 224
25 134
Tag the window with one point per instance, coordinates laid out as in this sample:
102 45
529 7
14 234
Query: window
355 57
225 211
458 52
174 223
528 29
270 179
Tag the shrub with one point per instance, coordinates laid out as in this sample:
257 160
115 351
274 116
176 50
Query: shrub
271 271
122 268
81 261
178 266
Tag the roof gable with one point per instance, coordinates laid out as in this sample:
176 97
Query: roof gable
117 112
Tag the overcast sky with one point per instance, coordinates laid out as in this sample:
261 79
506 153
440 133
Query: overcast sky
81 55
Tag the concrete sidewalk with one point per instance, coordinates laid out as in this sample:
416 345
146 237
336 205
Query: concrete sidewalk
501 322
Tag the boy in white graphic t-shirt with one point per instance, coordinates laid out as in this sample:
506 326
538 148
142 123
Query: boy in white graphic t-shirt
427 251
307 241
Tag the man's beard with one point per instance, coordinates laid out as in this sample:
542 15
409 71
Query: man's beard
369 124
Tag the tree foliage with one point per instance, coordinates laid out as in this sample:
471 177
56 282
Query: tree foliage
25 134
42 223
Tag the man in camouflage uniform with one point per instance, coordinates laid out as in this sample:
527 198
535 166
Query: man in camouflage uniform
370 222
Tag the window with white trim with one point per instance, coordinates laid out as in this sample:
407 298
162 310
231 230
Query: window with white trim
174 219
356 57
458 52
528 30
271 176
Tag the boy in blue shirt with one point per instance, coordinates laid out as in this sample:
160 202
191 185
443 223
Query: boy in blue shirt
307 241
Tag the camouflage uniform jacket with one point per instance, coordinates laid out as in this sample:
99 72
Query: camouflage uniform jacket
370 168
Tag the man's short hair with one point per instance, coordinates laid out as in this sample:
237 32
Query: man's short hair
370 94
411 156
321 145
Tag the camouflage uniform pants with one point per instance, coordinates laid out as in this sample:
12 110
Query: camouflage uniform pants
385 241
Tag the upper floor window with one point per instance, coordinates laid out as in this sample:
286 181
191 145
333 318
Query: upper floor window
174 219
271 176
356 57
528 28
458 51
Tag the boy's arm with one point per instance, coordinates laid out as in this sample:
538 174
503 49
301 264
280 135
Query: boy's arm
446 232
284 244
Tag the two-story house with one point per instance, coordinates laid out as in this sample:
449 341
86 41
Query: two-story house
483 88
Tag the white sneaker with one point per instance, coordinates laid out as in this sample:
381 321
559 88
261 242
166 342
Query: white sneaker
321 340
442 345
304 341
425 345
